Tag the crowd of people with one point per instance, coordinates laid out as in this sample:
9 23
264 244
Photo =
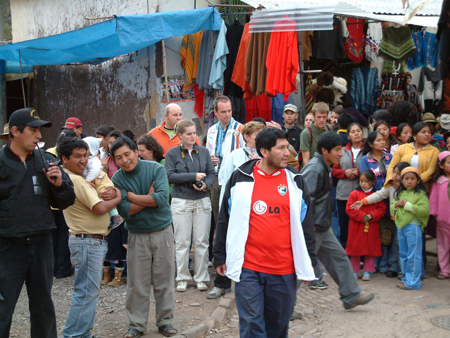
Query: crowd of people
267 205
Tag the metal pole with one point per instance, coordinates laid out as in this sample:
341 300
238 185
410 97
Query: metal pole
21 81
165 71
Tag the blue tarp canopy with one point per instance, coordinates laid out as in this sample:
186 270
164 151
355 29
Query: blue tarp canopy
108 39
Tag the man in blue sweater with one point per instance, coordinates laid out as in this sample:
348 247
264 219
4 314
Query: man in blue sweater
145 208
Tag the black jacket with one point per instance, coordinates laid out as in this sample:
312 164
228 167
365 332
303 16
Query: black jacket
294 137
181 171
244 174
26 195
317 176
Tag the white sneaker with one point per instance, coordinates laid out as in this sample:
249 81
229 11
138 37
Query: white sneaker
202 286
181 286
210 264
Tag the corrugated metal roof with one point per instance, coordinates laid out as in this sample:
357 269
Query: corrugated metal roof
394 7
314 14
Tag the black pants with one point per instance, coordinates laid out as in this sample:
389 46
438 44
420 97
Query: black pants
60 238
343 222
33 264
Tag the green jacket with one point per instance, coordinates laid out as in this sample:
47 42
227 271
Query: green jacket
139 181
417 206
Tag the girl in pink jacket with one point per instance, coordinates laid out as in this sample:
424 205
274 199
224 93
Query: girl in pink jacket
440 207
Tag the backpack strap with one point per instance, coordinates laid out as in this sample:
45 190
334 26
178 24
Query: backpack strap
310 142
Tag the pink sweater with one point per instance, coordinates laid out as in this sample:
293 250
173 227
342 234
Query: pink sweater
439 202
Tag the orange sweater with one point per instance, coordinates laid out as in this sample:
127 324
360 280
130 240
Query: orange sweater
164 139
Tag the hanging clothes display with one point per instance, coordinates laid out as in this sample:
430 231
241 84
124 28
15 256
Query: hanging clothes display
297 99
309 100
430 90
258 106
427 50
219 63
329 45
306 39
238 108
446 96
278 102
255 62
411 94
233 37
392 89
199 96
205 61
355 42
364 89
189 54
397 44
238 76
282 60
373 40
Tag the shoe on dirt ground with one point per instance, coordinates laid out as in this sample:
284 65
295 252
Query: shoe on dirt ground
320 286
201 286
363 299
441 276
366 277
217 292
181 286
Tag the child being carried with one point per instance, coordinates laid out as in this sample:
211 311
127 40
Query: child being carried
94 174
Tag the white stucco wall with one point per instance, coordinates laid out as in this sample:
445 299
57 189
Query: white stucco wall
125 85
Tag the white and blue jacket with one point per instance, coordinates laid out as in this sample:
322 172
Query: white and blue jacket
233 225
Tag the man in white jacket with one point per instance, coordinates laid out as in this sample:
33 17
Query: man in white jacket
265 237
223 137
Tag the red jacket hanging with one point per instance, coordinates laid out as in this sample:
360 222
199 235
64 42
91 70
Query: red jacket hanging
362 243
356 40
282 59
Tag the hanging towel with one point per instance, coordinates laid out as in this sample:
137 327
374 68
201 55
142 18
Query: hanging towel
190 53
354 43
282 60
205 61
255 62
397 44
219 63
238 76
233 37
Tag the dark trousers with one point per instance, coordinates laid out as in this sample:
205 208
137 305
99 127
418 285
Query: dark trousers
343 222
33 264
265 303
220 281
61 252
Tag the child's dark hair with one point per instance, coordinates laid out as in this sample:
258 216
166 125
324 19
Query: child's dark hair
401 165
370 139
419 187
369 174
439 172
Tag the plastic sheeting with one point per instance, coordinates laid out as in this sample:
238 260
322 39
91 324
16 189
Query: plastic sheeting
108 39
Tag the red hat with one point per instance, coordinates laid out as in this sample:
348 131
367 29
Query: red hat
72 122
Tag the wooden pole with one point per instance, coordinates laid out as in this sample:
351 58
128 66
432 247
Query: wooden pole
21 81
165 71
203 118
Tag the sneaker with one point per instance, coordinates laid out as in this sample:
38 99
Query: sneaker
356 275
217 292
181 286
366 276
115 222
320 286
363 299
202 286
296 315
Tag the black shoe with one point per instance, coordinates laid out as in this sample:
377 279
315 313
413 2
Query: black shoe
391 274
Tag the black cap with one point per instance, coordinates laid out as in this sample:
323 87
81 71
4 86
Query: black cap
27 117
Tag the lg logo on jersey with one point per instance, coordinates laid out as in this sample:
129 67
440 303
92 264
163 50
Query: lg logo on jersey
260 207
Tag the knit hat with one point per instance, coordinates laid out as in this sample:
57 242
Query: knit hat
410 170
93 144
443 155
428 118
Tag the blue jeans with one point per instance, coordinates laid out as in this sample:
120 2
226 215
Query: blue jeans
389 258
87 256
410 243
265 304
334 214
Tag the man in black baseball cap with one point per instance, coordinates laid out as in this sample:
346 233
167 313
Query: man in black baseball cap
27 191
